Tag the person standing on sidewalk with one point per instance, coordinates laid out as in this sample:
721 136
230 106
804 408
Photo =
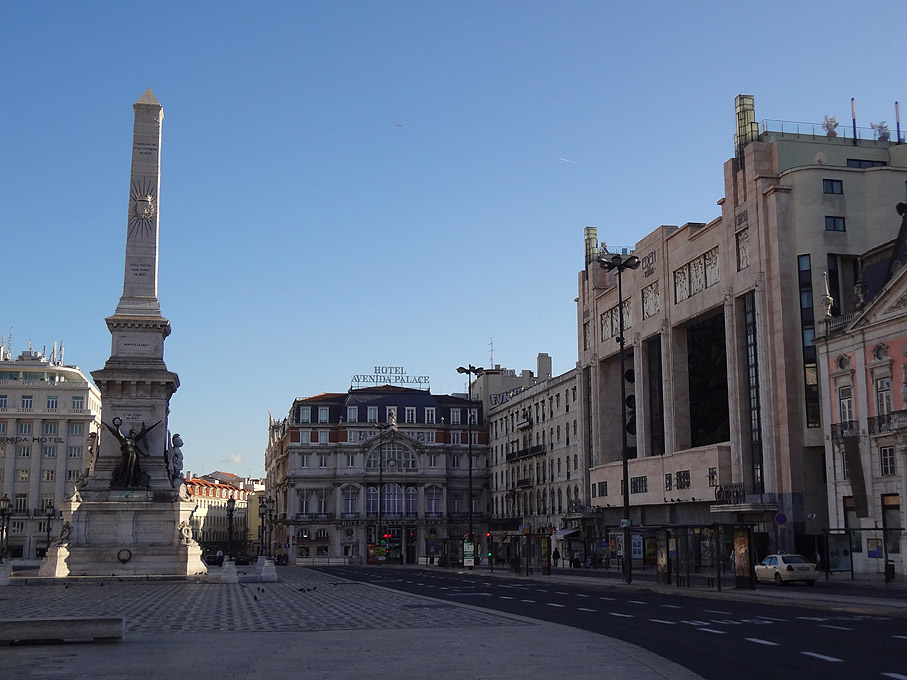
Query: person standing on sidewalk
557 557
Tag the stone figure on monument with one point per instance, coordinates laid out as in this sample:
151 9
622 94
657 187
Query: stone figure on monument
128 473
175 458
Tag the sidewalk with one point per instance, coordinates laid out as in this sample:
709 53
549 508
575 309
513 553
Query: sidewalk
308 624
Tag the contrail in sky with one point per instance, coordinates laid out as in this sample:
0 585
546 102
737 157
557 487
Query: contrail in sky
566 160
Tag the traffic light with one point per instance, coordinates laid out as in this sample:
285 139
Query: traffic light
488 542
630 403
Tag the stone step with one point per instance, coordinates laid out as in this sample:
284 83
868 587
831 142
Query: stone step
64 629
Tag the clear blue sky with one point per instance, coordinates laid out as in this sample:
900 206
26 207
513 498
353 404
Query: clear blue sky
346 184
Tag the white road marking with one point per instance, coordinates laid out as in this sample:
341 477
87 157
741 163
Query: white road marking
900 637
528 601
623 616
581 595
558 592
822 656
635 601
610 599
812 618
555 604
505 597
716 611
770 618
760 641
672 606
896 676
712 630
586 609
669 623
826 625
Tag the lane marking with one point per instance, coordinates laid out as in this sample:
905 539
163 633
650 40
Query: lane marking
636 602
506 597
527 601
609 599
760 641
669 623
623 616
770 618
812 618
716 611
896 676
712 630
586 609
582 595
900 637
672 606
555 604
558 592
822 656
828 625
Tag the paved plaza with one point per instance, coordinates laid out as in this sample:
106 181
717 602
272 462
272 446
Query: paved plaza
308 625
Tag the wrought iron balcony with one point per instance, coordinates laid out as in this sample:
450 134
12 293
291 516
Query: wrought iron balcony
890 422
849 428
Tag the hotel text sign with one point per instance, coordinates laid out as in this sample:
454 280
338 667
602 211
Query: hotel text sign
391 375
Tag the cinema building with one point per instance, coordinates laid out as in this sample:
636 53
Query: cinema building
723 412
378 474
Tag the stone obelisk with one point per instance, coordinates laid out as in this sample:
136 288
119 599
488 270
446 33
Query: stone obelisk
131 514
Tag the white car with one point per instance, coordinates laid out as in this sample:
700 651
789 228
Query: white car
783 568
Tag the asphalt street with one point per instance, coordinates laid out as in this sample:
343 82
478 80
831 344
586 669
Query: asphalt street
714 636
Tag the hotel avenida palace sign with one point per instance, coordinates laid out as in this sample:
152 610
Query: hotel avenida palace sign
390 375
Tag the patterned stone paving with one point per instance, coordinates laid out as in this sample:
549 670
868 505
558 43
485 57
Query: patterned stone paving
302 600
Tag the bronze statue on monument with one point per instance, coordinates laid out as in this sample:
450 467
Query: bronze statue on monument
128 474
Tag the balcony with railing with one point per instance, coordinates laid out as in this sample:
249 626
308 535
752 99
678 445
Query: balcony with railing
843 133
849 428
888 423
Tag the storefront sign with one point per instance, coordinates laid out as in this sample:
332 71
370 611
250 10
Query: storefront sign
504 397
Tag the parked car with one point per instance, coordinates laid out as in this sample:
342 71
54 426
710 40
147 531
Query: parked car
214 560
240 560
784 568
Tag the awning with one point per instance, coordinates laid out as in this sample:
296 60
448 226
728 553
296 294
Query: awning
563 533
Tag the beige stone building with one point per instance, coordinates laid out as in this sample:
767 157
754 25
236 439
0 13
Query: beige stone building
50 415
720 320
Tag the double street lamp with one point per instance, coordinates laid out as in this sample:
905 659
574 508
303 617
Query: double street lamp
231 507
470 371
618 263
4 525
51 512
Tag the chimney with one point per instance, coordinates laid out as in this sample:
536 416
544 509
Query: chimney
543 364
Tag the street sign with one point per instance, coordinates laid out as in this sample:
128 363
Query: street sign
624 523
781 519
469 554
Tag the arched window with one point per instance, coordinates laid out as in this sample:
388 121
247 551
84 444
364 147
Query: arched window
321 535
411 498
560 503
394 456
350 500
392 503
371 501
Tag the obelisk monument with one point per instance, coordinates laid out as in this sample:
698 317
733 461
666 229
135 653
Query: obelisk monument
131 514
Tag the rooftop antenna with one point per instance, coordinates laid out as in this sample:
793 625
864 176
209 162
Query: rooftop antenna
491 346
61 352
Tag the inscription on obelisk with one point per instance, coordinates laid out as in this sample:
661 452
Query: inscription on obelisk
140 278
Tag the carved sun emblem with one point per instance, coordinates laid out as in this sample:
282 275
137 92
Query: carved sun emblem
143 210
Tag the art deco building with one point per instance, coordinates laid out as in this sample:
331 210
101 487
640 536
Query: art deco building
50 415
722 378
378 474
863 368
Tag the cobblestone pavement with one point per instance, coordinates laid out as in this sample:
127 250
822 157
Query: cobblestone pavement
307 625
302 600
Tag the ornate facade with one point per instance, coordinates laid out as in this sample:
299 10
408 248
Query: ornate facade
378 474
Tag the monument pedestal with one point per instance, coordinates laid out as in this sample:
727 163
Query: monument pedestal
128 534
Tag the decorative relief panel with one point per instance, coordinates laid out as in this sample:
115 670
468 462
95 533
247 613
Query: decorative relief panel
651 302
743 249
610 321
695 276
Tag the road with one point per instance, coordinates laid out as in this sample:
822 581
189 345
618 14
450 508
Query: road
716 638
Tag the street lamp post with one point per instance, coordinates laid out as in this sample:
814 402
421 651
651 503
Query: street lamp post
262 517
619 263
231 506
4 525
381 538
270 504
470 371
50 511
